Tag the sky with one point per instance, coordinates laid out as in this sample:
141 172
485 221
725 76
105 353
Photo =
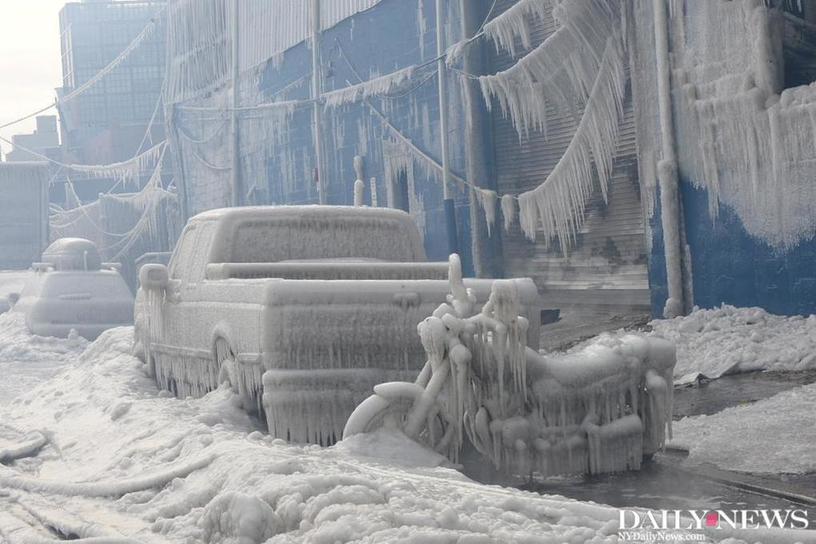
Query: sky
30 66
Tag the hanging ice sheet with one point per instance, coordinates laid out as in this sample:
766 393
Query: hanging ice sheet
750 146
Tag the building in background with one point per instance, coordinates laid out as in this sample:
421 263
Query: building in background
44 141
107 122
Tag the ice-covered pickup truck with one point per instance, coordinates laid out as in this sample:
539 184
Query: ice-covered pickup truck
303 309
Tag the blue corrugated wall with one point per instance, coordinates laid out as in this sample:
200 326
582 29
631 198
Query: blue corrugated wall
376 42
729 266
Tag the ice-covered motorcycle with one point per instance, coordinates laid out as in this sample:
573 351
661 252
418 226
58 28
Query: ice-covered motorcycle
598 409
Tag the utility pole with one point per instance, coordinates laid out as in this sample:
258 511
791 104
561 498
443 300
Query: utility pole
450 210
485 246
236 101
317 90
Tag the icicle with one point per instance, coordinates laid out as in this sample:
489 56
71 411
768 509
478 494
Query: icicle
557 205
575 50
377 86
72 200
359 191
508 207
749 148
517 24
487 200
127 170
373 185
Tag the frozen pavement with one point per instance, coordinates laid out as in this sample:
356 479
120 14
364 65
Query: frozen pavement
774 435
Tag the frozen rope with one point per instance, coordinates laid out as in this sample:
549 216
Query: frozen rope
137 41
28 116
134 165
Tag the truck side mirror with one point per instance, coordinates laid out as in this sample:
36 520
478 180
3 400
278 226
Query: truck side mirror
154 277
12 299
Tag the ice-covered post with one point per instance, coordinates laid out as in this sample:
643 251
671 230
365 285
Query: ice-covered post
486 249
442 76
236 100
667 169
359 184
373 183
316 112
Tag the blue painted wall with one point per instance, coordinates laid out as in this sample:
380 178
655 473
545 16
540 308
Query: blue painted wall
379 41
729 266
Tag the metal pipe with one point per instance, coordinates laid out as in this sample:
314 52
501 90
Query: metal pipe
236 102
485 246
667 169
317 111
450 209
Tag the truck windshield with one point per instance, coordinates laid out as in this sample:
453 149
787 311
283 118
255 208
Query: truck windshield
318 238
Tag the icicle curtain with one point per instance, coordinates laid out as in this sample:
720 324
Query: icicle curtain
748 144
583 62
556 207
561 69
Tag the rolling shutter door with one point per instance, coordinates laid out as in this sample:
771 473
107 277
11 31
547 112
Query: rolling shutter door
602 281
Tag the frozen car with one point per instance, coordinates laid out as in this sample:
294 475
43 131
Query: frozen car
73 289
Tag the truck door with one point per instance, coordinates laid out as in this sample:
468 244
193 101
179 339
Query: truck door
178 287
190 314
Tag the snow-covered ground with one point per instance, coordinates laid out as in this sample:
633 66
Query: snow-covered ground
27 360
158 469
12 281
121 459
775 435
730 340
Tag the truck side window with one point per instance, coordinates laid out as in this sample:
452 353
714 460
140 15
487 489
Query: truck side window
181 256
199 256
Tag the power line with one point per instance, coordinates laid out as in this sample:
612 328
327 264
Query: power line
29 116
99 75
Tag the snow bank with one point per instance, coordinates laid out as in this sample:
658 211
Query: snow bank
738 438
729 340
108 427
30 359
12 282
